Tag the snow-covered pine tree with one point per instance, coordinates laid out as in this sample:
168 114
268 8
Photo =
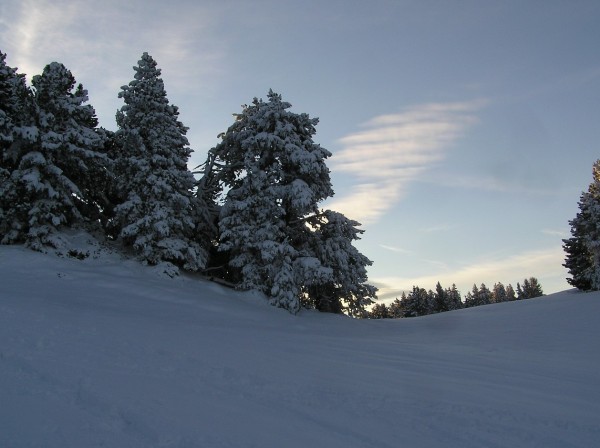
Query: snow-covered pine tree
472 297
453 299
510 293
158 214
270 224
499 293
531 288
416 303
379 311
579 260
439 301
16 114
16 132
347 288
478 296
395 309
56 172
583 248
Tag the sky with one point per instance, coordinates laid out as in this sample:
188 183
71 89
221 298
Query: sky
462 132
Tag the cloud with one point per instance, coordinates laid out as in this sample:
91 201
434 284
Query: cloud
489 183
393 150
395 249
557 233
544 264
100 43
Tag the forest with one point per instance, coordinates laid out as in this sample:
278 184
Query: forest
249 217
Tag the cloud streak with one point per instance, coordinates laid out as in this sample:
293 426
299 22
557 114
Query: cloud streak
544 264
100 44
391 151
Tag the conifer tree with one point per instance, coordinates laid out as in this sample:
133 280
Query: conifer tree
472 297
16 132
56 169
345 287
438 299
379 311
579 259
276 239
158 214
453 299
510 293
395 309
531 288
16 115
499 293
485 295
416 303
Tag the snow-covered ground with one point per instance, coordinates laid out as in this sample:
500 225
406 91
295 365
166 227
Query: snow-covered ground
106 352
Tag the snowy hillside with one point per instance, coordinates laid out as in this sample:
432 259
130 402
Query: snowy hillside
105 352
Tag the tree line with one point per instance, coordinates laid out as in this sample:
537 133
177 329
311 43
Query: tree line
250 216
421 302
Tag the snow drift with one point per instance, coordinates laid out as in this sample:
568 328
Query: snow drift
106 352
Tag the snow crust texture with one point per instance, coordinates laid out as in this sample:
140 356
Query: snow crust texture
104 352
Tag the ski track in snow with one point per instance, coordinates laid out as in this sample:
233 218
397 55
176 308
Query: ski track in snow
107 353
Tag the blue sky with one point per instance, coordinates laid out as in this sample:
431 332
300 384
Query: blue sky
462 132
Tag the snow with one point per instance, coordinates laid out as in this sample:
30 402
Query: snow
107 352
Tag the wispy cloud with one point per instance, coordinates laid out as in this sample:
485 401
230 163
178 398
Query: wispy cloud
393 150
436 229
100 43
556 233
546 265
396 249
489 183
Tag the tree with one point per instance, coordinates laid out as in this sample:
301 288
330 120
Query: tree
158 214
478 296
16 132
471 299
439 302
56 170
499 293
379 311
16 115
531 288
510 293
346 288
276 239
579 259
453 299
395 310
416 303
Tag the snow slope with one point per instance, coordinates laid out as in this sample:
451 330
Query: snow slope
105 352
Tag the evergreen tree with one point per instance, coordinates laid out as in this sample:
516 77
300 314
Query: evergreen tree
275 238
453 299
345 288
16 115
472 297
439 302
16 132
52 184
416 303
579 259
478 296
395 310
158 214
531 288
520 293
379 311
499 293
510 293
484 296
